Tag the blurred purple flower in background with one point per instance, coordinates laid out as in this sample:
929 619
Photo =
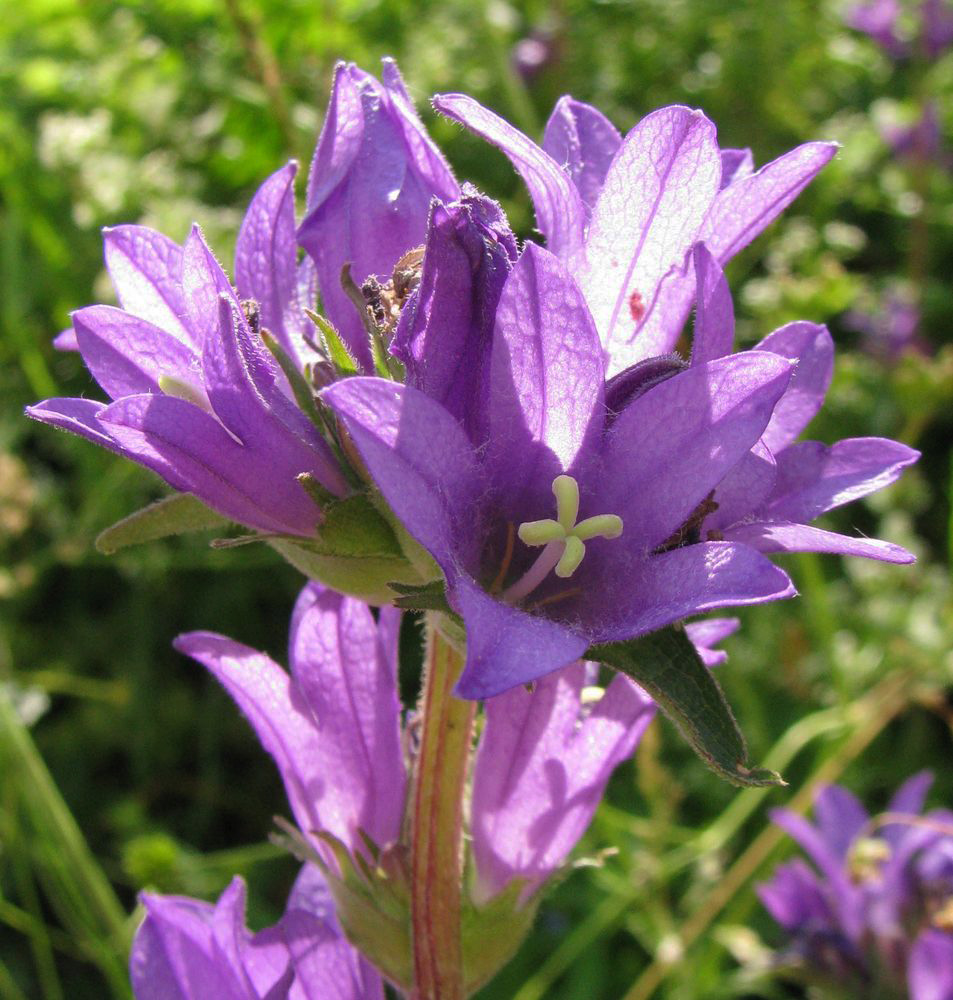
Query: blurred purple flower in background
878 19
891 331
877 909
882 20
920 142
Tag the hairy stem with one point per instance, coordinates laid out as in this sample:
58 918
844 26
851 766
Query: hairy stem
437 838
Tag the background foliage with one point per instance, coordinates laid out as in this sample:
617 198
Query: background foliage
167 112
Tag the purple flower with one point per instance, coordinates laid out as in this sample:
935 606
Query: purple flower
623 213
446 326
541 768
877 904
881 20
552 447
936 17
920 142
768 500
374 174
197 397
890 331
878 18
333 725
333 729
186 949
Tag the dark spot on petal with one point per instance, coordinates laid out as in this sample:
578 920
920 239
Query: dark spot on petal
636 307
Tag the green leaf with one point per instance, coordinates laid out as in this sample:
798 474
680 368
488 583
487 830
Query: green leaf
303 394
668 666
334 347
174 515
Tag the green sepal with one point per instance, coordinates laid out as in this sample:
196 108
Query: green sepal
668 666
491 932
335 349
428 597
303 393
354 551
174 515
372 905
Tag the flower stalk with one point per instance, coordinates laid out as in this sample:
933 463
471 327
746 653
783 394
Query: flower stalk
437 837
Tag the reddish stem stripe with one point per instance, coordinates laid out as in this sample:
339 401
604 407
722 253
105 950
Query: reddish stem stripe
437 838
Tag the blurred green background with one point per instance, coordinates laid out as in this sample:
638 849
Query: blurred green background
169 112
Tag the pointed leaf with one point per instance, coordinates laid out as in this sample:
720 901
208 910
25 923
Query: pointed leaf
668 666
334 347
174 515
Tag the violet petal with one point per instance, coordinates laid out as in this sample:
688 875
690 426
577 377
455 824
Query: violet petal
671 446
655 197
507 646
814 478
545 396
560 211
583 141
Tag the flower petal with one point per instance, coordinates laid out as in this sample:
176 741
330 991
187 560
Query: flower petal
681 583
930 970
245 388
540 771
707 633
741 210
840 818
79 416
445 330
744 489
583 141
128 355
814 478
735 164
828 861
420 459
506 646
266 256
671 446
341 666
560 211
795 897
714 313
65 340
747 206
783 536
195 454
810 345
175 956
146 271
655 197
545 400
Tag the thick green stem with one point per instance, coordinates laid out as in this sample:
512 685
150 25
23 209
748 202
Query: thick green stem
437 838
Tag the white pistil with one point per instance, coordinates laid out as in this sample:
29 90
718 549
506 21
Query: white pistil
563 539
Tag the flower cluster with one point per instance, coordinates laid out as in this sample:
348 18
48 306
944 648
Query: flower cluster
502 435
877 909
